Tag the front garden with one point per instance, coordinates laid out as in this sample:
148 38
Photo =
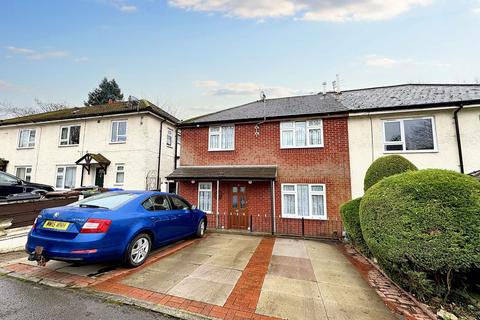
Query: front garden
422 227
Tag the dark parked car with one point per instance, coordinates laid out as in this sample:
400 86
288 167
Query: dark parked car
11 185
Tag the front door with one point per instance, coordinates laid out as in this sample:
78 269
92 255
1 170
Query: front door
99 177
238 206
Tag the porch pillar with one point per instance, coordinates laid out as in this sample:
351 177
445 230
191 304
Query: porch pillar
218 197
272 187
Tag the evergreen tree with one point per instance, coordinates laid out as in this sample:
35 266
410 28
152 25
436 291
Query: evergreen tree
107 90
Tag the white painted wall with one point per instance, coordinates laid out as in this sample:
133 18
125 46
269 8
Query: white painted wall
365 134
139 153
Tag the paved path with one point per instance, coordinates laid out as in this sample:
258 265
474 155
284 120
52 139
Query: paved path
22 300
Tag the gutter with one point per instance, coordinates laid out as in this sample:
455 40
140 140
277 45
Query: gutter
159 154
459 140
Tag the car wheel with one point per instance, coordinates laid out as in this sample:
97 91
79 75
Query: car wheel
138 250
202 226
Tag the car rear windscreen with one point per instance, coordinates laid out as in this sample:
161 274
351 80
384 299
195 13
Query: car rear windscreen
108 200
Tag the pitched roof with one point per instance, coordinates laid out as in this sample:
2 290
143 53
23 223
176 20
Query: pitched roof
224 172
120 107
368 99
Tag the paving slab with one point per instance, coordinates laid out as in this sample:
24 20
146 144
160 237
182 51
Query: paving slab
232 262
217 274
300 288
351 296
154 280
290 307
173 265
202 290
290 248
191 256
292 267
338 311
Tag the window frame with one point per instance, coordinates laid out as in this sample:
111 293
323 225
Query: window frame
310 202
169 137
403 141
64 175
123 135
68 135
116 174
220 138
211 196
307 131
26 167
29 136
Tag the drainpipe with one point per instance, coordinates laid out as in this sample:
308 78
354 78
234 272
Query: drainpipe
159 154
459 140
176 150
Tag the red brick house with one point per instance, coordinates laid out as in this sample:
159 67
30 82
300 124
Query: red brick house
280 165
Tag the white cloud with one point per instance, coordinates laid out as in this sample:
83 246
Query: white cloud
81 59
18 50
312 10
48 54
250 89
128 8
373 60
380 61
122 5
6 86
205 84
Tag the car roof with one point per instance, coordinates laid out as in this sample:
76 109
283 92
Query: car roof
143 192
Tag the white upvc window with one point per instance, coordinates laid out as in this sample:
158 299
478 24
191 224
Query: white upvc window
119 131
221 138
119 173
409 135
169 137
24 173
301 134
205 196
26 138
70 135
65 177
304 201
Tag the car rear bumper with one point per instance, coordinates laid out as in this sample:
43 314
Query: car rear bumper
75 249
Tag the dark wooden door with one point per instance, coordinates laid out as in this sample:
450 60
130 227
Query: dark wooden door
99 177
238 206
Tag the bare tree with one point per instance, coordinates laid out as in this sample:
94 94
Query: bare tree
9 109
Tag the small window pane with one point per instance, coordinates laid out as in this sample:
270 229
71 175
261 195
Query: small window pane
392 132
317 188
227 137
74 135
214 142
317 205
64 134
243 202
315 123
242 189
235 201
122 128
287 138
302 198
287 125
205 186
235 189
70 177
120 177
300 134
32 138
418 134
289 204
315 137
289 188
394 147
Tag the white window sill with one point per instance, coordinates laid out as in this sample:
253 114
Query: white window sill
216 150
67 145
118 142
25 148
409 151
302 147
323 218
118 184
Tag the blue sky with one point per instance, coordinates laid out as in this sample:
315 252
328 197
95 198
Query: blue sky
198 56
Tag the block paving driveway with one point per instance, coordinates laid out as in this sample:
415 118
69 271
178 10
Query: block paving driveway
231 276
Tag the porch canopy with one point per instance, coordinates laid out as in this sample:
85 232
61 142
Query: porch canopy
88 159
253 173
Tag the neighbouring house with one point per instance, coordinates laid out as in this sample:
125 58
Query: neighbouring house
286 165
112 145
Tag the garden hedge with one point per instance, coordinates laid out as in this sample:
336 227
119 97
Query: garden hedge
385 167
351 221
423 227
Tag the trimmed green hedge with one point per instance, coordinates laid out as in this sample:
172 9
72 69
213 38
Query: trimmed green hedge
351 221
385 167
423 227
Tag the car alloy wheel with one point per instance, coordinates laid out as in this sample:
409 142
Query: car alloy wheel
140 250
202 228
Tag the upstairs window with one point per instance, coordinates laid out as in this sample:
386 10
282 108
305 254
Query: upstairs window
304 201
169 137
221 138
24 173
404 135
301 134
69 135
26 138
119 131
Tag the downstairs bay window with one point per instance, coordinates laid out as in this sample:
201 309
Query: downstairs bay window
304 201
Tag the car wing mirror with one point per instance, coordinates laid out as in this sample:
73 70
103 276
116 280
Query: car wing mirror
194 207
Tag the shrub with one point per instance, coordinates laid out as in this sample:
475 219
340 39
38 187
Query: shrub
385 167
351 221
423 227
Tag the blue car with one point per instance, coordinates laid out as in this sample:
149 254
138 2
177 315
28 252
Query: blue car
114 226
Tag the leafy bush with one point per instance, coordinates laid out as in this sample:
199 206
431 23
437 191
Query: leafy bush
385 167
351 221
424 227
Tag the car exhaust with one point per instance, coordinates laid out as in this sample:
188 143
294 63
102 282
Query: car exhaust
38 256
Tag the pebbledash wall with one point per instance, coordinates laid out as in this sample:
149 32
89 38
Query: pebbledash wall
327 165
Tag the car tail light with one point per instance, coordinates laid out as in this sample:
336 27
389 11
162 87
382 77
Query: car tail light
96 226
84 251
34 224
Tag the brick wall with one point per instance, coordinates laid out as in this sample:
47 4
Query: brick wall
328 165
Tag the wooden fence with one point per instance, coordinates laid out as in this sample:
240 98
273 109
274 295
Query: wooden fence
24 212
